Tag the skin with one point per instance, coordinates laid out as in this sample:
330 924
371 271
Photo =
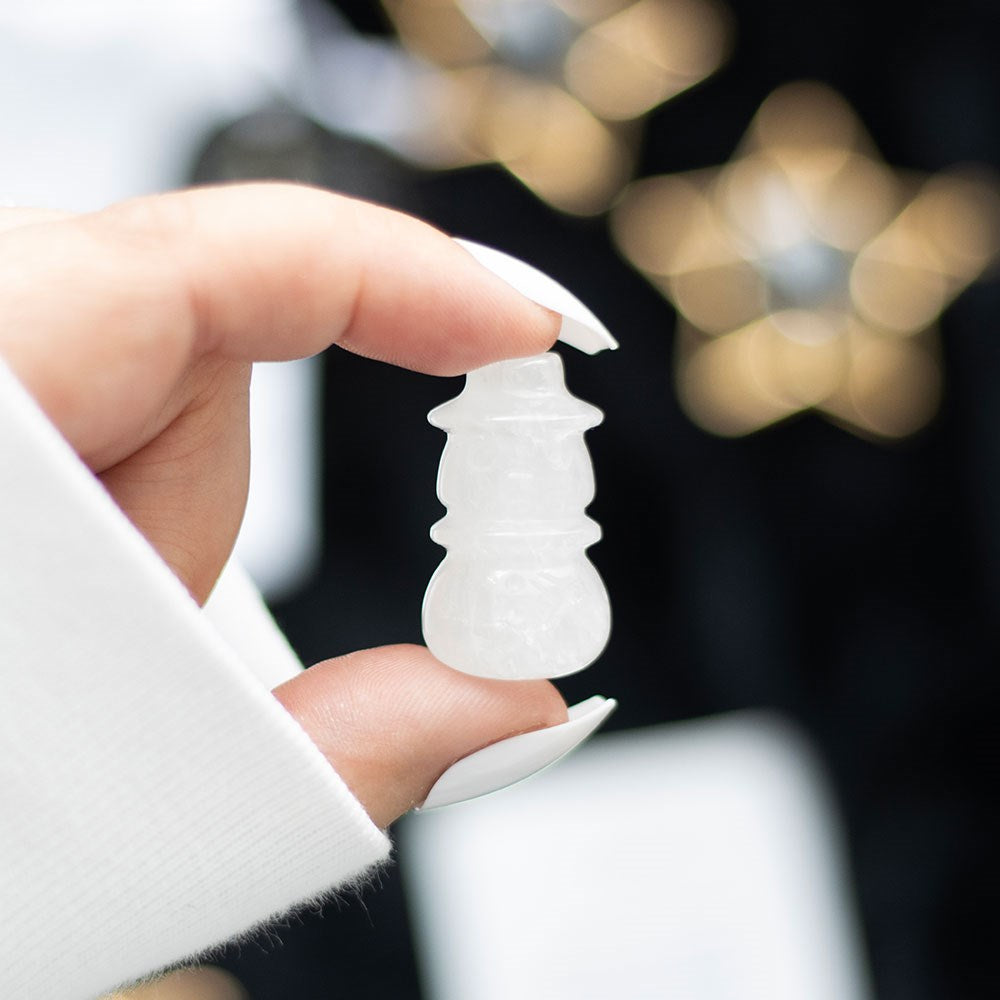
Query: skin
135 329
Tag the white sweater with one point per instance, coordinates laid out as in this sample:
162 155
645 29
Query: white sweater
155 799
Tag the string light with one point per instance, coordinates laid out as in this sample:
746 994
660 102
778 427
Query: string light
806 273
554 90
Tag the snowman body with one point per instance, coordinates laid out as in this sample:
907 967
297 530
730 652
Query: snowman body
516 596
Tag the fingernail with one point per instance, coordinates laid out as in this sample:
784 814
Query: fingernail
509 761
580 327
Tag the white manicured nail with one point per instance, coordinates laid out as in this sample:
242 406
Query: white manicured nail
517 757
580 327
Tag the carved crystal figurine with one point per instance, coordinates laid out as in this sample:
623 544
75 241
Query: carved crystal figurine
516 596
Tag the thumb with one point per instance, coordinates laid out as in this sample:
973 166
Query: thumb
391 720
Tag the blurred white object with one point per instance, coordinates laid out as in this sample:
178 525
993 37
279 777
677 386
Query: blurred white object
516 596
518 757
698 861
109 99
279 543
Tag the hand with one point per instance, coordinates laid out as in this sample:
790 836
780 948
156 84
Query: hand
135 329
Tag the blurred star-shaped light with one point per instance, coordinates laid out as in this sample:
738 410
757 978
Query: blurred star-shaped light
553 89
806 273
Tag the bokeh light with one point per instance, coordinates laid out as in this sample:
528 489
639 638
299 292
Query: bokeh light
806 273
554 90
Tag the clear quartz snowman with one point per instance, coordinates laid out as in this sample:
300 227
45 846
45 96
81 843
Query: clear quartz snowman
516 596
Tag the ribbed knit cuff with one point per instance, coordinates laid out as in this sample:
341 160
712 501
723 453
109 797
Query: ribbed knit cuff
157 799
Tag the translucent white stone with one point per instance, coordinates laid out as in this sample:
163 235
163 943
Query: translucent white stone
516 596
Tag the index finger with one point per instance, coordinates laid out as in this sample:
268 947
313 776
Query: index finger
278 271
249 272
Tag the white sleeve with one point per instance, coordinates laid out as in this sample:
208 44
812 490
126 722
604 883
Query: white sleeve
238 612
155 799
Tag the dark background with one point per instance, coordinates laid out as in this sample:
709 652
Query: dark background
852 585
